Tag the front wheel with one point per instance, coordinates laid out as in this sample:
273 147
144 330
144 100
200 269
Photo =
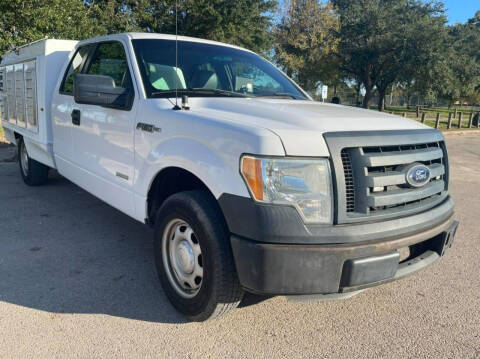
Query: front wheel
33 172
193 257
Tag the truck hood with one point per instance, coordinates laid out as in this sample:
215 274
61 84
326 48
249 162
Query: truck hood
299 124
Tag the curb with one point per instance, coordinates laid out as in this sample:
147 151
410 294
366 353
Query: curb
461 132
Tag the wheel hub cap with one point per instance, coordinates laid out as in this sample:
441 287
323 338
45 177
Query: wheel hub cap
182 258
24 159
185 257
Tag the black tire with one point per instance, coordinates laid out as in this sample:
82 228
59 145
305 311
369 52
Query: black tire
220 290
33 172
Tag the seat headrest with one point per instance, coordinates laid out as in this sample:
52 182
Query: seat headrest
205 79
163 77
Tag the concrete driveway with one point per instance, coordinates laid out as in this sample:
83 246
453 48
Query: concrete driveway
77 279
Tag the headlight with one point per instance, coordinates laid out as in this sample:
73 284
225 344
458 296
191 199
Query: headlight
302 183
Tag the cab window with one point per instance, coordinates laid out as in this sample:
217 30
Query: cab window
110 60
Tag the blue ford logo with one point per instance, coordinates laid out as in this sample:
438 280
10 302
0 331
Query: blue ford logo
417 175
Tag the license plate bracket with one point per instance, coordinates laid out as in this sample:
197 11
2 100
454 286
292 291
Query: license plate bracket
448 237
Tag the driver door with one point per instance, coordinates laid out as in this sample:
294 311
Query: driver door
103 138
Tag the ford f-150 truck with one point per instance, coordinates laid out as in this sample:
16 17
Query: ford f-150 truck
249 184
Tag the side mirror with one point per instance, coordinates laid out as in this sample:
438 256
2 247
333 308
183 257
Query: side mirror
100 90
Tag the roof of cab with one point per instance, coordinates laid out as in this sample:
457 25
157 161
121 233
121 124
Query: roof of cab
146 35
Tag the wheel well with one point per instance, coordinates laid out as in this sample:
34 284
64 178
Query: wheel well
168 182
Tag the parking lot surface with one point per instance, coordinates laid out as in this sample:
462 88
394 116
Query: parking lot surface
77 279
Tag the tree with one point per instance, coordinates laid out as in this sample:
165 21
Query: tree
111 16
24 21
463 61
382 42
240 22
304 42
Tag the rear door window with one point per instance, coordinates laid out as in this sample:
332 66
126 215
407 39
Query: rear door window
74 68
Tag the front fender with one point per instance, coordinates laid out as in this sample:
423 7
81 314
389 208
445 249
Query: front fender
217 172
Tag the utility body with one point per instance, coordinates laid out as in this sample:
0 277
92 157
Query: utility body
249 183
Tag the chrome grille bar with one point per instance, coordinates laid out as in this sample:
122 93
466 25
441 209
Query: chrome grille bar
404 195
401 157
393 178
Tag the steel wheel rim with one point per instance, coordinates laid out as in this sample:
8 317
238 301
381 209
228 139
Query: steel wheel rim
24 159
182 258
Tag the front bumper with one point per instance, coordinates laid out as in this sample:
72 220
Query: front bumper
339 259
280 269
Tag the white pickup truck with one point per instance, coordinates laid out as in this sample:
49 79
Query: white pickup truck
249 184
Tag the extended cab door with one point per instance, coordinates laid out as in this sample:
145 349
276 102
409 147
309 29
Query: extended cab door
63 106
103 138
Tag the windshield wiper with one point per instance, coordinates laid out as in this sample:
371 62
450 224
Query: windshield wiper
219 92
198 91
280 95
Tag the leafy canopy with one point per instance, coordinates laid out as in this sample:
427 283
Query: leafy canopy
241 22
385 41
24 21
304 42
462 68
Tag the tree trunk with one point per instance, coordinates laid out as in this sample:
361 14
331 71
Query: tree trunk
381 99
358 86
368 95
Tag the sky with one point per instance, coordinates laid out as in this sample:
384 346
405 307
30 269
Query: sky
461 10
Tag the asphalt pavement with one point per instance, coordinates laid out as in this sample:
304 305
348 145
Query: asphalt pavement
77 280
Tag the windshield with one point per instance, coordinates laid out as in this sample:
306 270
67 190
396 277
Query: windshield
208 70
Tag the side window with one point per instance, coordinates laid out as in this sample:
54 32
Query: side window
110 60
75 65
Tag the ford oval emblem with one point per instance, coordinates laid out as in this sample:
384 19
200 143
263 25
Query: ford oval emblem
418 175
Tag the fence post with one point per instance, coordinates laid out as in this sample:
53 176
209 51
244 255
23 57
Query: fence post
423 117
470 120
437 121
417 110
454 112
476 120
404 114
459 120
449 123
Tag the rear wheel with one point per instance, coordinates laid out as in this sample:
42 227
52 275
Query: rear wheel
33 172
193 257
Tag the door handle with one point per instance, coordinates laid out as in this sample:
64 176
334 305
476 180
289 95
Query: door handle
76 117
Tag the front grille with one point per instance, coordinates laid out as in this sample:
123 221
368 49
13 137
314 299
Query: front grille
371 172
381 180
349 184
385 181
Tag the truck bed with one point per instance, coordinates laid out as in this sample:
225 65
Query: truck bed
28 76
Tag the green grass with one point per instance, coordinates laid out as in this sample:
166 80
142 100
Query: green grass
394 108
441 125
430 119
1 132
444 111
431 115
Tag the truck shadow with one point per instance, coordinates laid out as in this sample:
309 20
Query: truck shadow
64 251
